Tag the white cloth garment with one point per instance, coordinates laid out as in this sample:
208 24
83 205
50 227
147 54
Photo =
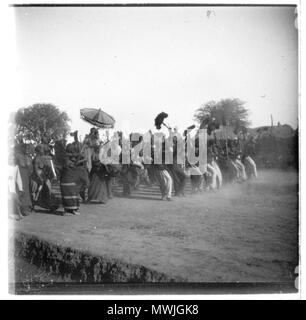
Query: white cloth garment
167 183
218 172
251 166
14 178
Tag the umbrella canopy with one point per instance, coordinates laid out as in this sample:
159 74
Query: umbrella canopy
98 118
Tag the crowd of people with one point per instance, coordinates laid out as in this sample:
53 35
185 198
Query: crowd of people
85 177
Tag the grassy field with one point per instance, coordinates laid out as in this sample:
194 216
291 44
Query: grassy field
244 232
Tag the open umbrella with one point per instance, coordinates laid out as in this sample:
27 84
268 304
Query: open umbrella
159 120
98 118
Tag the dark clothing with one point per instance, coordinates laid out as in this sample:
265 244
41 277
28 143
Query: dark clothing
60 154
97 190
130 176
40 184
41 194
69 188
196 181
73 179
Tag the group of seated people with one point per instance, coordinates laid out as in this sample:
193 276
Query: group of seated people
84 176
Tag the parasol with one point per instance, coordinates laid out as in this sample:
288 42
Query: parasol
159 120
97 117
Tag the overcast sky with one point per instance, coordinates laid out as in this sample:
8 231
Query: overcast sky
137 62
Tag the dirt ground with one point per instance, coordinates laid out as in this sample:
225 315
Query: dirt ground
244 232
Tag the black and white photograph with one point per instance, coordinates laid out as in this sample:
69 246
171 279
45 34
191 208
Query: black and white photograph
154 149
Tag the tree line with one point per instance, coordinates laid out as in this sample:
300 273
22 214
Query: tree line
30 124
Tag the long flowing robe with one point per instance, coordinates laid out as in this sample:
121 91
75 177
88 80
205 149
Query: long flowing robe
97 190
25 168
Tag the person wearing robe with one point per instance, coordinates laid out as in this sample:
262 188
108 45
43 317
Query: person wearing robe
75 150
109 156
196 173
130 173
219 178
215 176
247 157
24 163
234 172
15 188
211 173
196 176
237 160
59 155
97 190
176 170
91 141
162 175
73 177
40 181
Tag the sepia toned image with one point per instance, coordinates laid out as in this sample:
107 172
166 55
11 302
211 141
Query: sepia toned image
154 149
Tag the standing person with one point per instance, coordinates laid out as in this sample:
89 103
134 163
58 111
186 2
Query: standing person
196 173
158 173
238 162
221 159
45 143
90 142
76 151
196 177
163 176
40 182
215 165
48 152
212 173
127 179
212 165
24 163
130 173
178 177
60 154
14 189
73 176
130 176
109 156
241 168
247 158
97 190
234 174
136 167
176 171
